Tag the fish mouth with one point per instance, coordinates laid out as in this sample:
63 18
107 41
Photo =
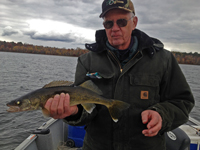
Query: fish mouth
17 108
13 108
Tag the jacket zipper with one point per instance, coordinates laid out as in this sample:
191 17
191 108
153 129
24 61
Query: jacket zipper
119 62
132 57
116 61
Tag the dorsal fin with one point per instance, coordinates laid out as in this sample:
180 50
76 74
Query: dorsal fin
91 86
58 83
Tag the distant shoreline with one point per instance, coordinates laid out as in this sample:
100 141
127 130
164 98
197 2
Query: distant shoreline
35 53
181 57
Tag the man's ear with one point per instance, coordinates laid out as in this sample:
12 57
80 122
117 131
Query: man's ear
135 21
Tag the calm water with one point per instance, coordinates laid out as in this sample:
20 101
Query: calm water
22 73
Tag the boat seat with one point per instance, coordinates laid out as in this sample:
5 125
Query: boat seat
177 139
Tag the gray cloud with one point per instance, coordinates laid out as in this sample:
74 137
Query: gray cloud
176 23
54 37
8 31
68 37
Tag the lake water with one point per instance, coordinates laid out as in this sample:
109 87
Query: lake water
22 73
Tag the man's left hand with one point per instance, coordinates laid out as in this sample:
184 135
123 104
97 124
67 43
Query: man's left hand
154 122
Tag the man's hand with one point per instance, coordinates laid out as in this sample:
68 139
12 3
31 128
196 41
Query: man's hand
153 121
59 106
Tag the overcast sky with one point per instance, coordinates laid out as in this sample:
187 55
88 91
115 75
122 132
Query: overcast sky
72 23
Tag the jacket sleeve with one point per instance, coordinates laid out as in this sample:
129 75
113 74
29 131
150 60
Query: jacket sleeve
176 97
83 116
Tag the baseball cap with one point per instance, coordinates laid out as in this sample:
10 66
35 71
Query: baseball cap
120 4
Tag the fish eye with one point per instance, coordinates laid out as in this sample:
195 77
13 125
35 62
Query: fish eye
18 102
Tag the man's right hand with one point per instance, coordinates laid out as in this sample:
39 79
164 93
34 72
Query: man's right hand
59 106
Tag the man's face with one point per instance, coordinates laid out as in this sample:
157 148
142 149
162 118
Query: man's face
120 37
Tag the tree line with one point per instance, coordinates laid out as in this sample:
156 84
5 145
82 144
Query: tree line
182 58
34 49
187 58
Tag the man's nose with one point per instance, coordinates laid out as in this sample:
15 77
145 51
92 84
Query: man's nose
115 27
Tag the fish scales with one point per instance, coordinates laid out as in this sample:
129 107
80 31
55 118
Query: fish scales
87 94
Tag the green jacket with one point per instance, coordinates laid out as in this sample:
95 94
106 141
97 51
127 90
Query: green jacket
152 79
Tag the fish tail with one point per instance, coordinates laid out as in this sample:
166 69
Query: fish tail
116 109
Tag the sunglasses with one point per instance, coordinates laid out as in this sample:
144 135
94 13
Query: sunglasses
120 23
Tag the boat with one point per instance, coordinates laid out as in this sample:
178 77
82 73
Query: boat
57 135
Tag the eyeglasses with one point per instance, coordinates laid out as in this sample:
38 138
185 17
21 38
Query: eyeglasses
120 23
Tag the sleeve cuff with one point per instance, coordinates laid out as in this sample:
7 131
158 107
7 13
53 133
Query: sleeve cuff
77 116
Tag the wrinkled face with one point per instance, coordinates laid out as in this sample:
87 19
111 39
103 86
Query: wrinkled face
120 37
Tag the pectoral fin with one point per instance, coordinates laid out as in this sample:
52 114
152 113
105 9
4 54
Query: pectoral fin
88 107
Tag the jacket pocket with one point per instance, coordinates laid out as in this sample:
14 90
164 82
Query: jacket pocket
144 90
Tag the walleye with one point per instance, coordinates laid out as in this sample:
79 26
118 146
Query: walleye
87 94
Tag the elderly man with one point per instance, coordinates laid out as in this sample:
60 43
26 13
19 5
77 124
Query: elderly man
134 68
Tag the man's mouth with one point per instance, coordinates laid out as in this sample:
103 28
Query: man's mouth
116 36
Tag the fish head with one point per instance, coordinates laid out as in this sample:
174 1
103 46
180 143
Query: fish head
30 101
19 105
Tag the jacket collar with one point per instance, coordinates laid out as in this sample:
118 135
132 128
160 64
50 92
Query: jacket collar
149 44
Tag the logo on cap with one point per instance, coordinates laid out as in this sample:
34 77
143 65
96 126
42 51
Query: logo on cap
121 4
110 2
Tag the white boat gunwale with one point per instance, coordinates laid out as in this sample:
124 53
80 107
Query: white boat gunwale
59 131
